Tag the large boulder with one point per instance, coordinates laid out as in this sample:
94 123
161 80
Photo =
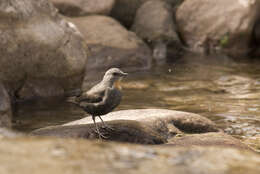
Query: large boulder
111 45
218 26
160 31
83 7
125 10
58 156
41 54
5 108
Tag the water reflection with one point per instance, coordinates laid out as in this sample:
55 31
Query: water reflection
223 90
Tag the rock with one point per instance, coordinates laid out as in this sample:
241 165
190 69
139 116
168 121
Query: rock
111 45
125 10
8 133
5 108
144 126
207 139
160 31
83 7
124 131
218 26
41 54
253 142
59 156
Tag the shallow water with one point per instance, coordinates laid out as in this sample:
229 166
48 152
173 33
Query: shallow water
224 90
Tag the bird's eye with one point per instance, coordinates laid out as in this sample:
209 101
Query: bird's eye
114 74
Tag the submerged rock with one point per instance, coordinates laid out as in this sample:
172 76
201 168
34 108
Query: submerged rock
154 23
214 26
83 7
59 156
111 45
41 54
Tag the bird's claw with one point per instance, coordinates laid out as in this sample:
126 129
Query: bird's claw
100 135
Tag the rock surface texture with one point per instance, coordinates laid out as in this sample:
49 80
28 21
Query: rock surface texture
154 23
5 108
125 10
83 7
111 45
41 54
144 126
218 26
59 156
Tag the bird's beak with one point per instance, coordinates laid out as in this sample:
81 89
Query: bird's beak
124 74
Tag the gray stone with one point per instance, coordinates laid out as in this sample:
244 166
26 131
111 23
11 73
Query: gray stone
218 26
125 10
154 23
83 7
41 54
5 108
111 45
144 126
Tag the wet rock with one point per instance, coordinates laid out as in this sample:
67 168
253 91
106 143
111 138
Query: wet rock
59 156
207 139
111 45
218 26
160 31
83 7
8 133
253 142
144 126
124 131
41 54
125 10
5 108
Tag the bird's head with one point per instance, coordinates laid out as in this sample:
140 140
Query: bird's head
114 74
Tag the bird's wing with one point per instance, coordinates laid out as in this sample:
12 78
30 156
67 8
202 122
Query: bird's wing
95 94
90 98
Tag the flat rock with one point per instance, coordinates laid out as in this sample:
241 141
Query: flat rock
83 7
144 126
111 45
59 156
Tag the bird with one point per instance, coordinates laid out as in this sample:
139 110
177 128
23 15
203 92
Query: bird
102 98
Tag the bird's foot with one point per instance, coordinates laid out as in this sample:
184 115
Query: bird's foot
100 135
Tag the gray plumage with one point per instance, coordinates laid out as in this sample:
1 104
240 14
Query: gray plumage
103 97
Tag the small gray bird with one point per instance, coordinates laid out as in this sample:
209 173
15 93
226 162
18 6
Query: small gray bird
103 97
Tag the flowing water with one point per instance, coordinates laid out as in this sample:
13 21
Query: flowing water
224 90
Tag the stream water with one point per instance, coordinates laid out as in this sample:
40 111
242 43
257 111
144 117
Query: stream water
225 90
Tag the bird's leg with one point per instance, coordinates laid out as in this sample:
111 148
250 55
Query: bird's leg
97 129
104 124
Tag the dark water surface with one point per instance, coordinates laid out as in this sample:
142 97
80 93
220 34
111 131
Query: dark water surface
224 90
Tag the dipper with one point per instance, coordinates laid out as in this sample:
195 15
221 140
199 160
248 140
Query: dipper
103 97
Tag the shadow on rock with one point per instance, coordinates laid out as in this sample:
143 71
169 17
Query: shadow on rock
121 130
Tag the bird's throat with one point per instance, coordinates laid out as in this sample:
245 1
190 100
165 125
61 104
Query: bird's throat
117 85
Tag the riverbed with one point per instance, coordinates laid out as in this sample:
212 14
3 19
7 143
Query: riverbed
225 90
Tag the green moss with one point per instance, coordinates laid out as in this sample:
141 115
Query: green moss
224 40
